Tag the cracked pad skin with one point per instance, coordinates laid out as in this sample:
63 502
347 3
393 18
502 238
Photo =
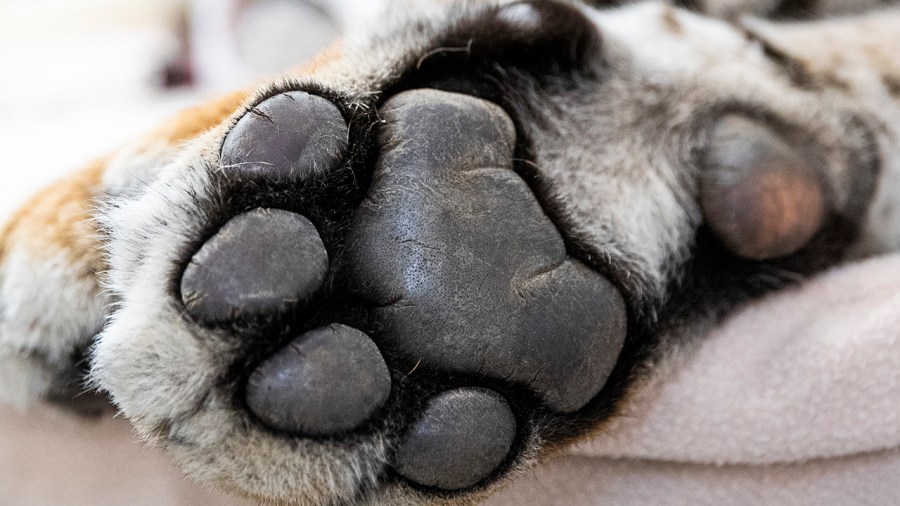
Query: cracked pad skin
466 271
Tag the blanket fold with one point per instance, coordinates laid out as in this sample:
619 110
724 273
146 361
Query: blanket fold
811 372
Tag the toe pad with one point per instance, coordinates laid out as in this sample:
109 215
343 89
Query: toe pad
286 138
326 381
763 197
260 263
463 436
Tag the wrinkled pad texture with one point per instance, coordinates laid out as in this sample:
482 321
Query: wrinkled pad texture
465 270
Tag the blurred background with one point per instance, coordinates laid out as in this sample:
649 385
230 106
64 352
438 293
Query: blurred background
80 77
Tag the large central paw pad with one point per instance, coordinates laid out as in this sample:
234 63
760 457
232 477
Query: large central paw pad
467 272
451 259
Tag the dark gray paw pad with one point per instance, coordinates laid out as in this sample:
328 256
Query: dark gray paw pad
286 138
463 436
260 263
326 381
467 272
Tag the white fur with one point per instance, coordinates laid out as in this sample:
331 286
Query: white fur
40 331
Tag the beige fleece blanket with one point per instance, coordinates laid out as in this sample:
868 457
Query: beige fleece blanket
794 400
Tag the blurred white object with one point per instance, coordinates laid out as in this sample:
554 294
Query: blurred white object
79 77
237 42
